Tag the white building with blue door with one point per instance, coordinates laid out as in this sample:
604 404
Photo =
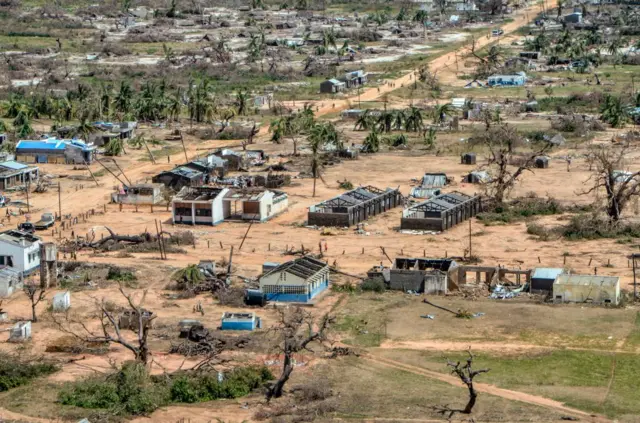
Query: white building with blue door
297 281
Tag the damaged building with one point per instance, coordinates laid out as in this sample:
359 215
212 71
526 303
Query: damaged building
140 194
430 186
212 205
441 213
422 275
353 207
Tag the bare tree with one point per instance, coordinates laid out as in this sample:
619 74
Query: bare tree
619 186
35 293
466 374
504 164
113 321
296 331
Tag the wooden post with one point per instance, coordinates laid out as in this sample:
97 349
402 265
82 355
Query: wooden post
385 253
590 262
121 171
207 243
91 173
221 247
184 148
470 250
539 259
247 233
153 160
59 203
230 261
362 250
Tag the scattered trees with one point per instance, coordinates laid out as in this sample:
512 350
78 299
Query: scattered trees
295 330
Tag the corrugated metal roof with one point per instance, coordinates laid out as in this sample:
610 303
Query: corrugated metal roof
546 272
419 192
434 180
12 164
587 280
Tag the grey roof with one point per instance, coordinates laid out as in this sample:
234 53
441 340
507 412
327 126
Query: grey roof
546 272
8 273
434 180
16 237
587 280
304 267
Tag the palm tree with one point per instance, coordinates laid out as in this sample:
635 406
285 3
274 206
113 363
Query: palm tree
14 106
364 121
306 118
440 112
286 126
115 147
397 140
201 101
84 129
614 49
316 141
385 121
329 39
422 16
22 124
242 98
174 105
105 101
124 99
371 142
614 112
188 277
413 120
560 6
430 138
398 119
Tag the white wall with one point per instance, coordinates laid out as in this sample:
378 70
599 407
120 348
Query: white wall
20 256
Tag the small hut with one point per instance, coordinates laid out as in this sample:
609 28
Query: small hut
61 301
477 177
542 162
468 158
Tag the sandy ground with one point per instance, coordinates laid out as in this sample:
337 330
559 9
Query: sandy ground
507 245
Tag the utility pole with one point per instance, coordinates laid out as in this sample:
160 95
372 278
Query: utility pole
635 284
470 251
59 203
184 148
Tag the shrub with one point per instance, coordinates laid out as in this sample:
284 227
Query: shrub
540 231
117 274
374 284
584 226
521 208
132 391
16 371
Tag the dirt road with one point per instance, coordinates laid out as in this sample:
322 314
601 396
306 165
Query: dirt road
492 390
444 65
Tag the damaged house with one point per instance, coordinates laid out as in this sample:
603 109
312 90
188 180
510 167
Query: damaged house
212 205
298 281
587 289
353 207
430 186
441 213
422 275
180 177
13 174
139 194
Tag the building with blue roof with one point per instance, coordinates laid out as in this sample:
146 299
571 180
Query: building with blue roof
543 278
517 79
332 86
13 174
55 150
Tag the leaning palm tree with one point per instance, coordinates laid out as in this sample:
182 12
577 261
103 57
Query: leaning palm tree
614 112
84 129
430 138
398 119
385 121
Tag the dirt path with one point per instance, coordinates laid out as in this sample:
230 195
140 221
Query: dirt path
490 389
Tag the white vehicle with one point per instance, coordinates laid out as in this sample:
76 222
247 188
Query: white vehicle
497 32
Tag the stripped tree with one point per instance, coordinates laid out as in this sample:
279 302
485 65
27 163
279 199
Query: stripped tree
466 373
295 329
619 186
505 165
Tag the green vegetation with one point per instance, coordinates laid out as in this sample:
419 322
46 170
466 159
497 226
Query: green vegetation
521 209
132 391
15 371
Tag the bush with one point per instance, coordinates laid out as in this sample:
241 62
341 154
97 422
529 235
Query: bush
117 274
132 391
520 209
374 284
540 231
16 371
584 226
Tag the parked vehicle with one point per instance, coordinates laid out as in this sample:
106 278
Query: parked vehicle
46 221
4 201
27 227
497 32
